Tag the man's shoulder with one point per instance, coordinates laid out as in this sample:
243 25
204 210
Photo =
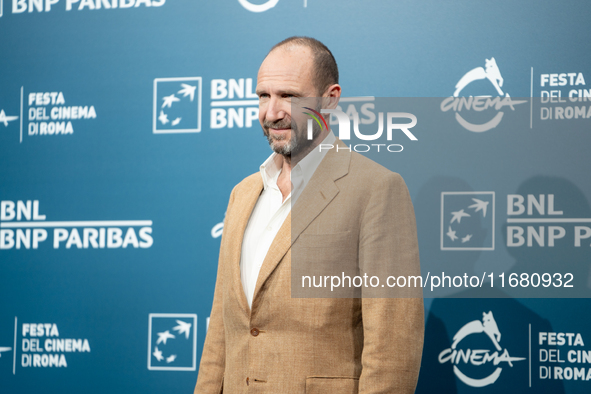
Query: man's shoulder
364 170
369 171
248 183
251 179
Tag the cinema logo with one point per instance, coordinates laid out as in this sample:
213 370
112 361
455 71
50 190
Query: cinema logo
564 96
22 226
6 119
43 347
258 7
565 356
497 356
480 106
46 114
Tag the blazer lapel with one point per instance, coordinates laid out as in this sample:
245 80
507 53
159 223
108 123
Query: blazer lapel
319 192
243 209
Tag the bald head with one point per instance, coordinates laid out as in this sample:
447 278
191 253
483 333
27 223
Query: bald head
289 74
324 67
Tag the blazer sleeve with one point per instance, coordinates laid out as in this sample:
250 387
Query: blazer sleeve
393 319
213 358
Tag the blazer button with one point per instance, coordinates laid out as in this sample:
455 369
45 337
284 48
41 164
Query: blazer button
254 332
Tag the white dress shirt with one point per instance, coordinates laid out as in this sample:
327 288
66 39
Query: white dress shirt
270 212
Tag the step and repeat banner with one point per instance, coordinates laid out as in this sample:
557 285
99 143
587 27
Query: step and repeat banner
125 124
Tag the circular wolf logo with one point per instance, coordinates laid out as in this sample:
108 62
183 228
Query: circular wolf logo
478 357
258 7
491 72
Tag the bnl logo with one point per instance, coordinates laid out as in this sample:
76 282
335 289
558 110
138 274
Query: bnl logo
468 221
172 342
177 105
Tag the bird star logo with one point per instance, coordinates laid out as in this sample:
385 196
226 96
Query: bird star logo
163 337
186 91
5 119
458 215
172 344
177 105
467 221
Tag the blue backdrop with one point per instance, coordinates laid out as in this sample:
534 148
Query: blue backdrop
125 124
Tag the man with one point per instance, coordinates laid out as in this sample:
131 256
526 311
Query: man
345 208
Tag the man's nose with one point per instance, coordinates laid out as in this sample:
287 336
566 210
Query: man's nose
275 110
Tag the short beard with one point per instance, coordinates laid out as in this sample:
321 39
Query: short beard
296 144
291 146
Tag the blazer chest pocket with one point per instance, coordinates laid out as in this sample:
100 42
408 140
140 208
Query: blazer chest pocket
332 385
316 258
324 248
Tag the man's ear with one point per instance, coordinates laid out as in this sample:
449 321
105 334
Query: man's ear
331 96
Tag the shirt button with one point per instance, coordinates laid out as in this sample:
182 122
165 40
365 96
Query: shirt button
254 332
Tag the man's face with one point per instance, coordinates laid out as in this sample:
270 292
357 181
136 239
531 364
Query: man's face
285 77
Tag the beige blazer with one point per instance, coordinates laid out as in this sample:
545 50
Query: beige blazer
318 345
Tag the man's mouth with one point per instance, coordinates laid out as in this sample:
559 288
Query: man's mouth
279 134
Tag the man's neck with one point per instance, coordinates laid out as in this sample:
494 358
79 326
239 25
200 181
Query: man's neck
293 160
288 162
284 179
